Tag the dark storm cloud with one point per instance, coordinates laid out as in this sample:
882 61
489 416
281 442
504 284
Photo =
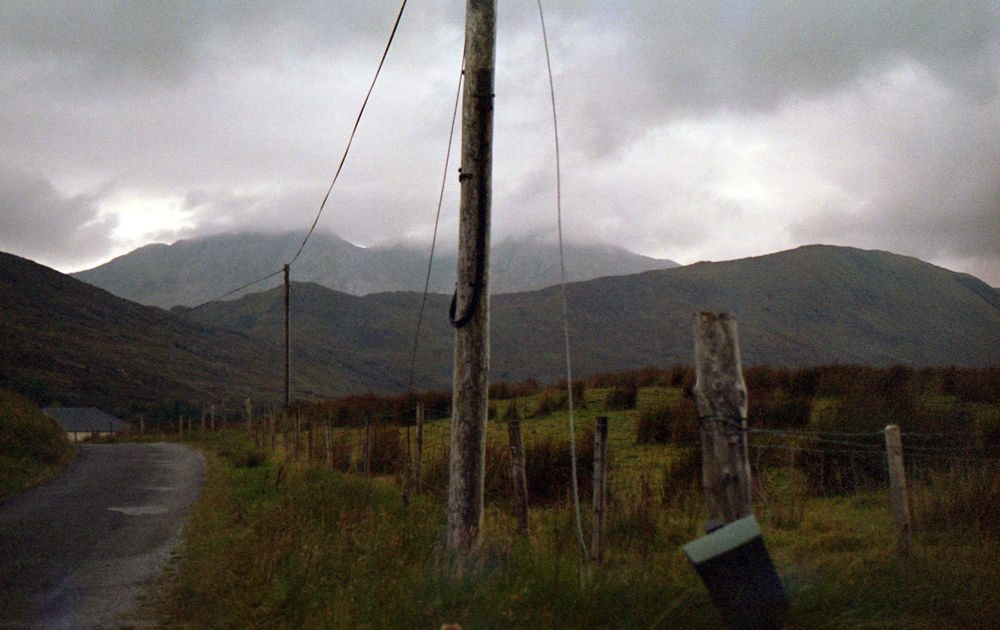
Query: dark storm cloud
37 222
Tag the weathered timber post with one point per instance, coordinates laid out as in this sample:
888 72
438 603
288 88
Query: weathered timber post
518 476
180 425
271 430
327 443
298 435
288 370
721 399
470 314
600 488
142 424
249 408
897 489
419 447
368 444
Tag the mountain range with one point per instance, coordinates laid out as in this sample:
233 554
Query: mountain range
191 272
78 344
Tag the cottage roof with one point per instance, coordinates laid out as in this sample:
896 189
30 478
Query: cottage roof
86 420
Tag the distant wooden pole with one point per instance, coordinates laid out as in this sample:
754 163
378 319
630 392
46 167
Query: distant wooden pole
518 476
897 490
288 371
212 415
721 399
419 447
249 408
470 316
600 488
142 424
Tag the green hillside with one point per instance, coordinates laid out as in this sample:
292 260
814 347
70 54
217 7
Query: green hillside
66 341
808 306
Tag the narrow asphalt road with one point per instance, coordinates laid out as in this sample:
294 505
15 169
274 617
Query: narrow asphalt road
76 551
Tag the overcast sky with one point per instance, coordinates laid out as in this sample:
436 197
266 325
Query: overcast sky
689 129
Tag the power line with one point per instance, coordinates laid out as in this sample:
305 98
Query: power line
357 121
565 310
437 220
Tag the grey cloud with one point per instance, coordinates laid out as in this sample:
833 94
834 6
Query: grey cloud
754 54
37 221
96 45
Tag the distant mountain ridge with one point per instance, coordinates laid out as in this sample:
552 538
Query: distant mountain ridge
190 272
808 306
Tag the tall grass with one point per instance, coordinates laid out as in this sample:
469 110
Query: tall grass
284 545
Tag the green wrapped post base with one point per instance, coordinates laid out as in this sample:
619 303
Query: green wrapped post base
741 579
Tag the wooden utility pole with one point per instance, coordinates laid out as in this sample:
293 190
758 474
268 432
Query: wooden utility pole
721 399
470 306
287 353
897 489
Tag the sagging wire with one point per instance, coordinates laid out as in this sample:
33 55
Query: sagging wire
584 556
437 221
354 130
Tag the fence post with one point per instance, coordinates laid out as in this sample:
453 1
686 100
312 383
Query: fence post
419 454
249 407
897 489
328 444
298 435
518 476
142 424
368 444
721 398
600 488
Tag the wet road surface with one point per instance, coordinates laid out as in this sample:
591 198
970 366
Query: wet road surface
76 551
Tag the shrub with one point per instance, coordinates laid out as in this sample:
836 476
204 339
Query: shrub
675 422
622 397
388 454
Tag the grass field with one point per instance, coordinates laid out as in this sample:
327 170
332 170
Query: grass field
277 542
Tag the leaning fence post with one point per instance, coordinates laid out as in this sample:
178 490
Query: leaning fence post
600 488
518 476
897 489
721 398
